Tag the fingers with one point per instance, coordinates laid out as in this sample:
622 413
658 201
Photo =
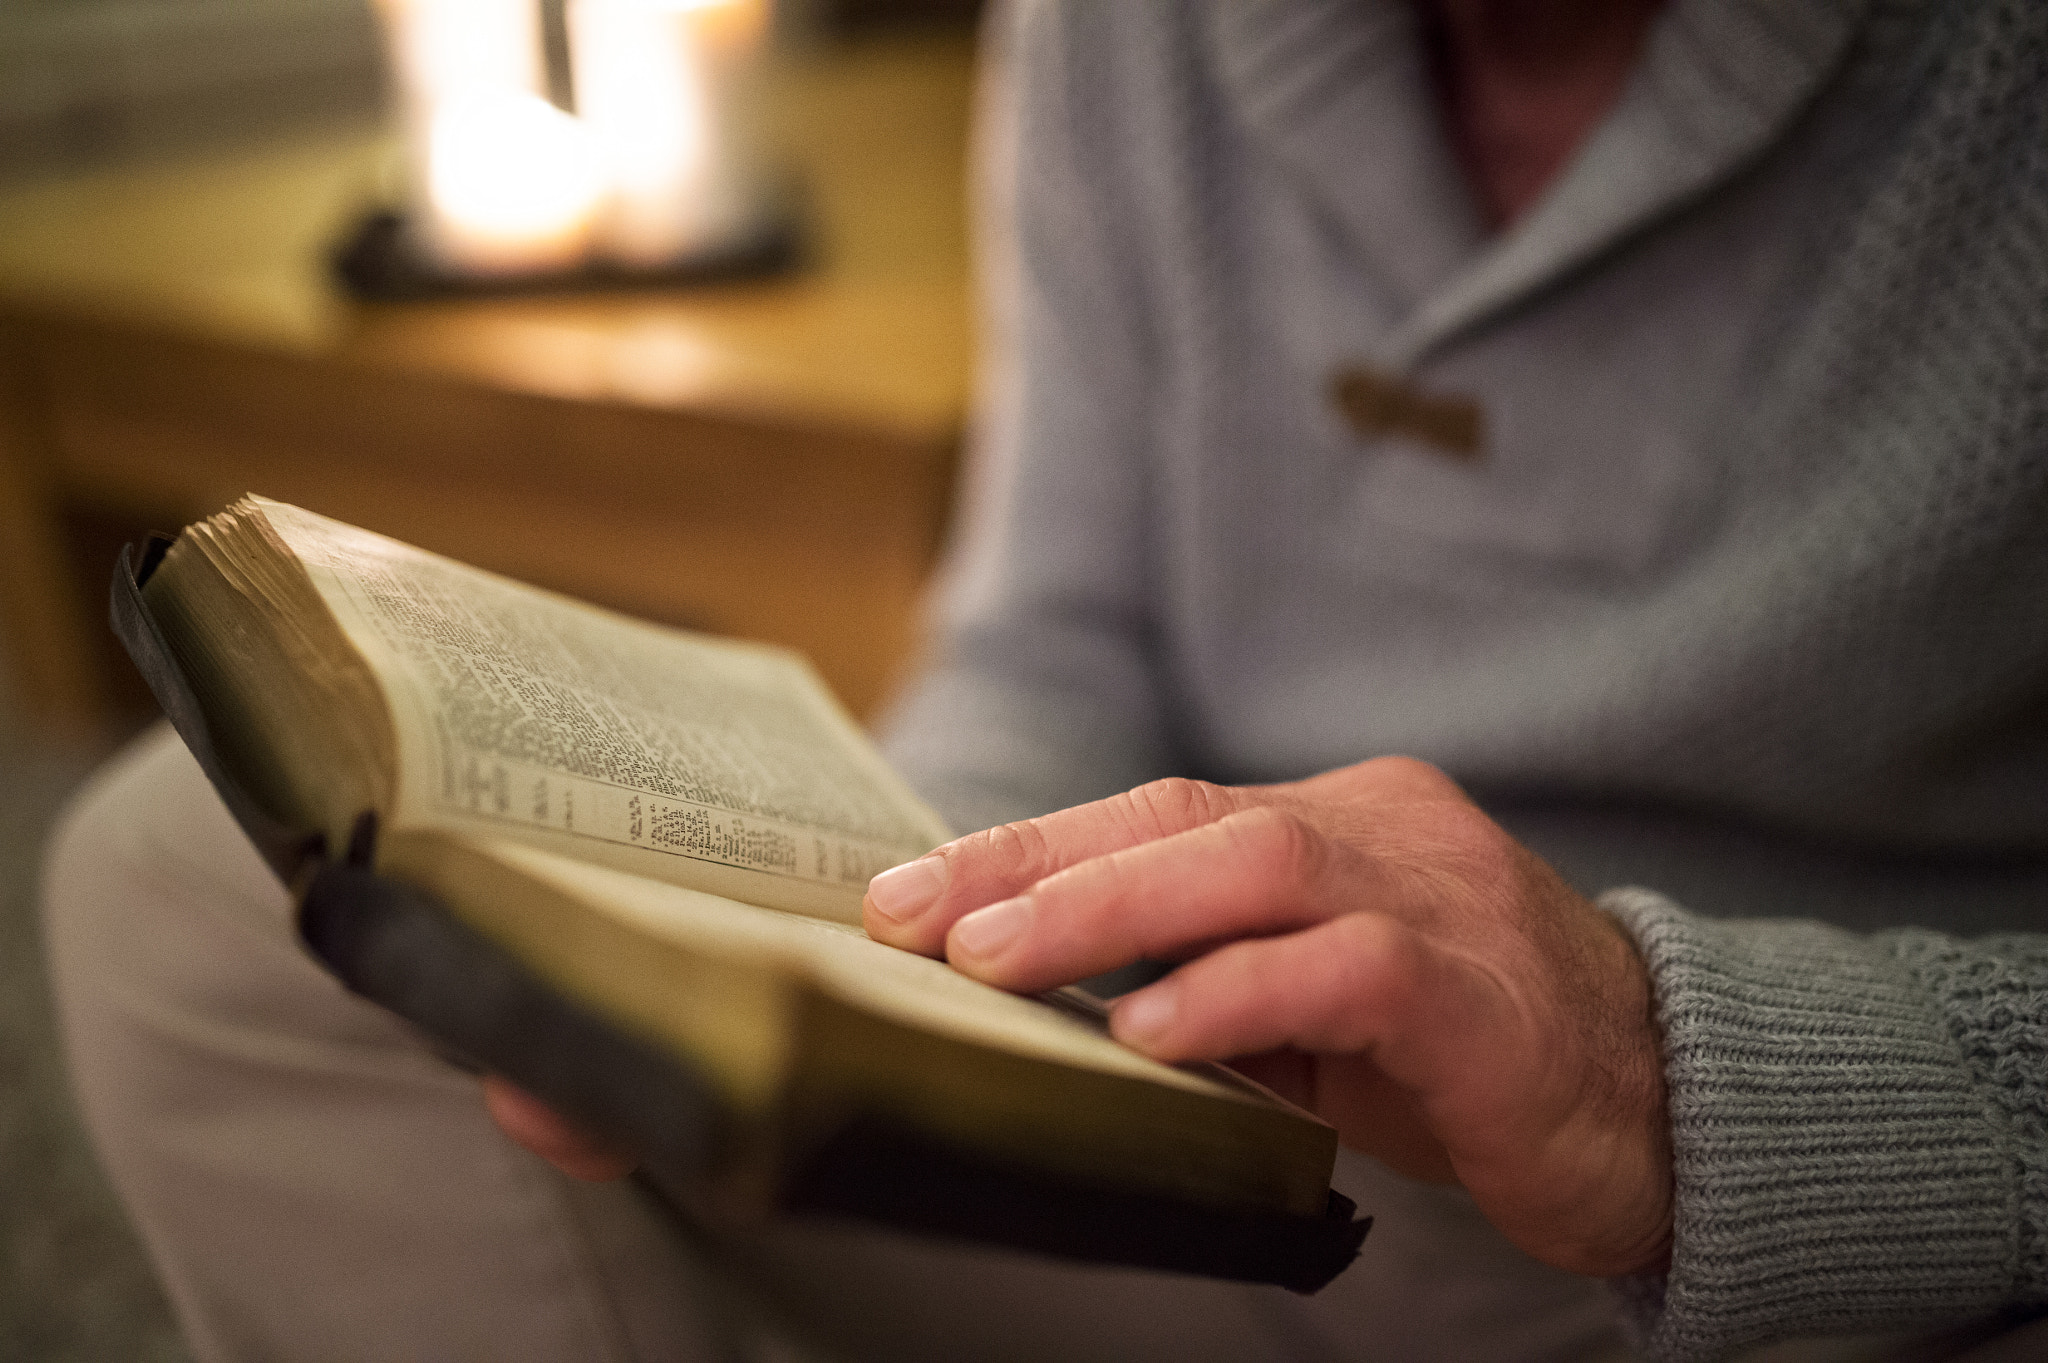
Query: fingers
914 905
1361 983
1253 873
548 1134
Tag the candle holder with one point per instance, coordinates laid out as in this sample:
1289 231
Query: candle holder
655 178
380 261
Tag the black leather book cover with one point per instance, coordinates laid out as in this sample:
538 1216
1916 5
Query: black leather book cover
395 945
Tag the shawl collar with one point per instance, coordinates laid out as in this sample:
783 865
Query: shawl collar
1338 90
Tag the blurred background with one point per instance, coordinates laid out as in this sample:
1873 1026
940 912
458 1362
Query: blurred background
768 455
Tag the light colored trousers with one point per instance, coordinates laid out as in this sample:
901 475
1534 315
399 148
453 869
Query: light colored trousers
314 1183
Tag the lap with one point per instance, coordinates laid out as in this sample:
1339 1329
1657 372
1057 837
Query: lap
314 1182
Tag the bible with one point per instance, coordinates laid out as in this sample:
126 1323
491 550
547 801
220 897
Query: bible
622 865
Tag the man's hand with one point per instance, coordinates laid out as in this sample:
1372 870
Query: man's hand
1367 943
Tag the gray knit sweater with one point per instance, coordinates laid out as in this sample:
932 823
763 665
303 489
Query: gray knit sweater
1745 601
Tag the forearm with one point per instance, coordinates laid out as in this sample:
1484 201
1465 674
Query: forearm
1856 1123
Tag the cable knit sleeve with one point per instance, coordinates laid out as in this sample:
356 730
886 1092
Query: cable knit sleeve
1860 1127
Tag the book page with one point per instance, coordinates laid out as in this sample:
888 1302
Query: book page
915 990
723 766
810 1022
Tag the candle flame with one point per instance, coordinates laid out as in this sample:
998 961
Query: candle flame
514 176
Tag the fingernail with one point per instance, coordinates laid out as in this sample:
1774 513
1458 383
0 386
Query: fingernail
1144 1017
903 892
985 932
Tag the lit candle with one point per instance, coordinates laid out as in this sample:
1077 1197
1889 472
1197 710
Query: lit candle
503 182
512 184
664 87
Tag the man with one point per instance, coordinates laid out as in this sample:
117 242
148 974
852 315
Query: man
1639 418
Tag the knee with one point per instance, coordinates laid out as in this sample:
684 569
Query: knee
142 862
168 942
180 986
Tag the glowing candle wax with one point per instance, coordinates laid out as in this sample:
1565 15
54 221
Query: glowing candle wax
512 183
664 87
503 182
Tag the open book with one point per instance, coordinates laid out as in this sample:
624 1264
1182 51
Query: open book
623 865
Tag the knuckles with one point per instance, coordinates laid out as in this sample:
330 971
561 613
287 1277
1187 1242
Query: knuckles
1409 778
1173 804
1009 855
1279 845
1013 857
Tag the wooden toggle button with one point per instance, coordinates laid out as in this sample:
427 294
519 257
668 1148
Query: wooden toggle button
1379 406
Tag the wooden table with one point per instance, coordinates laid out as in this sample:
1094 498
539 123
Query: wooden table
771 458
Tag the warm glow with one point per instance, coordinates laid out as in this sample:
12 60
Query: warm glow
723 25
658 82
512 182
652 168
645 98
449 49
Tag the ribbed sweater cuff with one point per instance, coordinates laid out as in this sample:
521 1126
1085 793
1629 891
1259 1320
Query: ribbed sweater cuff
1836 1169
